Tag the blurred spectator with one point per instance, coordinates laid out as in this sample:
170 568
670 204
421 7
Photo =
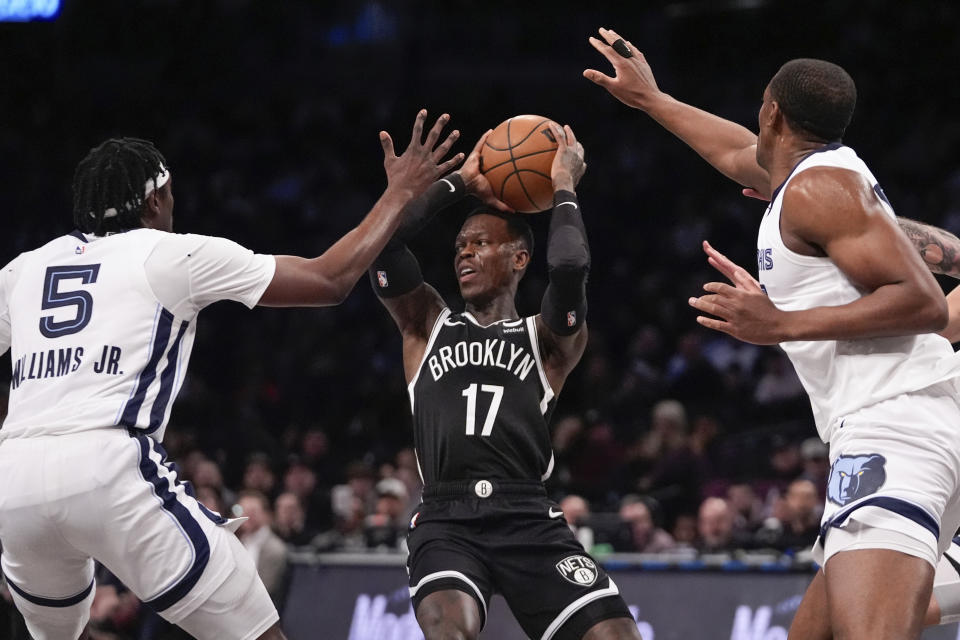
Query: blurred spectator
315 453
206 475
258 475
685 530
746 506
384 527
795 523
268 551
301 481
646 537
290 520
576 512
669 469
816 463
715 527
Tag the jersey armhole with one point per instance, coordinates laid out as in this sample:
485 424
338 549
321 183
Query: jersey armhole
444 314
548 393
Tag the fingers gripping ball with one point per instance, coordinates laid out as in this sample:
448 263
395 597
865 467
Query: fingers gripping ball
516 159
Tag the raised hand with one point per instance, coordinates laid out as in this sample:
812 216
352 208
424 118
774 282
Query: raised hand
633 83
743 311
477 183
568 163
422 163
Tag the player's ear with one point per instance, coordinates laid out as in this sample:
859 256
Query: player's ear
521 258
151 208
775 117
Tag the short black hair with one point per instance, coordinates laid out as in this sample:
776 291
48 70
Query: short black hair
816 96
114 175
518 227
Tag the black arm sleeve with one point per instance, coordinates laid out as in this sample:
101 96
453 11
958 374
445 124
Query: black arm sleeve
396 271
440 195
564 306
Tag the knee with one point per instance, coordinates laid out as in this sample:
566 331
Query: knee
441 629
437 623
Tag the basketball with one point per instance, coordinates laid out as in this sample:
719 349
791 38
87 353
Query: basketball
516 159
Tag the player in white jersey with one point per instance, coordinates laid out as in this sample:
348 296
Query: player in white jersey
850 300
100 323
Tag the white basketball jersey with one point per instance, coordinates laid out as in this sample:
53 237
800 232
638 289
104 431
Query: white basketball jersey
842 376
101 329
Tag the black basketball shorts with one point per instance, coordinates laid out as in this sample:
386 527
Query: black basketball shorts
514 542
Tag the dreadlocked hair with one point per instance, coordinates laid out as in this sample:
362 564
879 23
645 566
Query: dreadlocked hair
114 176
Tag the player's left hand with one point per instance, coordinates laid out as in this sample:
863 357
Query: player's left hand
477 183
568 163
743 311
633 83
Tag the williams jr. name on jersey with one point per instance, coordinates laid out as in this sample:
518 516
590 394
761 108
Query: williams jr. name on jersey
56 363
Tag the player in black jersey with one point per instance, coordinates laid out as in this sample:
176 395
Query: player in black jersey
482 385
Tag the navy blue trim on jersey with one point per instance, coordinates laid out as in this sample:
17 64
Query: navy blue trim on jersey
130 412
79 236
50 602
906 509
167 378
214 517
162 488
827 147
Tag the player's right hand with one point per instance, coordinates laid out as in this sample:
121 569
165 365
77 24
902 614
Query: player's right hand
568 163
422 163
477 183
633 83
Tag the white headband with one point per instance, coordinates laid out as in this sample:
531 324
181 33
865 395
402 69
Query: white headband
163 177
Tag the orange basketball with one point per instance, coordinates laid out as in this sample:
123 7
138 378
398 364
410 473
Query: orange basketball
516 159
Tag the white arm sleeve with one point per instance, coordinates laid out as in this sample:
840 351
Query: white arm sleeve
187 272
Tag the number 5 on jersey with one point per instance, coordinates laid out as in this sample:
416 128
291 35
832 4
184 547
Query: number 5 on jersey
470 393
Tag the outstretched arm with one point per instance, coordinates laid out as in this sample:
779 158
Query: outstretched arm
328 279
395 275
562 323
727 146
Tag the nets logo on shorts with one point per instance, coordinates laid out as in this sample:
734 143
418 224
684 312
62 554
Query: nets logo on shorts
852 477
579 570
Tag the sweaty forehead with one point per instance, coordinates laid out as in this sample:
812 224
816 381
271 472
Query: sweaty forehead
494 226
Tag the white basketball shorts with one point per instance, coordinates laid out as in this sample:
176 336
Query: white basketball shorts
112 496
895 476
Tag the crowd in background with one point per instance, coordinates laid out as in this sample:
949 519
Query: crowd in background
666 437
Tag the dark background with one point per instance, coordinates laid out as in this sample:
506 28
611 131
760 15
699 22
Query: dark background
268 113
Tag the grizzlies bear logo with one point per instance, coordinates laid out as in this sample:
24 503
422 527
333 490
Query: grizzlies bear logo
852 477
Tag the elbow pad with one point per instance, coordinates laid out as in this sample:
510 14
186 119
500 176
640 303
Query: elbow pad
395 271
564 306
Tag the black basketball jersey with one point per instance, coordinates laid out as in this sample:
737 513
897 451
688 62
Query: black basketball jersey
481 402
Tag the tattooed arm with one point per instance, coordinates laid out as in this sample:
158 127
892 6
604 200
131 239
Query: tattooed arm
939 249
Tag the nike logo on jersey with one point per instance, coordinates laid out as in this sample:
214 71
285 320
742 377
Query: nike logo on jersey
554 513
449 184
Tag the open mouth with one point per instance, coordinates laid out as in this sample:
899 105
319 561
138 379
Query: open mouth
466 273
